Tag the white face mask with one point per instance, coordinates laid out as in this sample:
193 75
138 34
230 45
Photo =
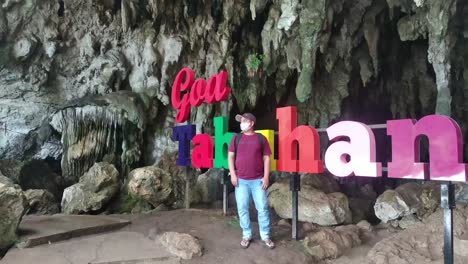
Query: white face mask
245 126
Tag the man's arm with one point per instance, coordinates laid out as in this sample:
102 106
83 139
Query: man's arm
232 171
266 172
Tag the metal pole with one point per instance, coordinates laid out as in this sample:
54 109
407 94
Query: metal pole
447 202
295 187
226 178
187 187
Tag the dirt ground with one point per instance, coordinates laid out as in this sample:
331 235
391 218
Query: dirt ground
220 236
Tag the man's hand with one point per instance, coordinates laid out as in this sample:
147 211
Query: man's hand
265 183
234 180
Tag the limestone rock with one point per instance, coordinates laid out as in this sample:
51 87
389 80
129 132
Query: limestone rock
408 221
94 190
430 199
314 206
461 192
366 226
13 205
422 242
24 47
330 244
322 182
208 188
182 245
167 162
4 181
41 202
151 184
100 128
394 204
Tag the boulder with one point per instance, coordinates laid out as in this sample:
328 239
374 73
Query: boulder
94 190
407 221
332 243
167 163
151 184
41 202
422 242
461 192
394 204
429 198
208 188
128 203
13 205
322 182
314 206
184 246
5 181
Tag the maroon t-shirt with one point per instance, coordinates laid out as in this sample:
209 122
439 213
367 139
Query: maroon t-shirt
249 160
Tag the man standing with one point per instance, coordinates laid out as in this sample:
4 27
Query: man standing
249 166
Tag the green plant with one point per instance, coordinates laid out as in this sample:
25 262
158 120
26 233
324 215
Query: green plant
254 61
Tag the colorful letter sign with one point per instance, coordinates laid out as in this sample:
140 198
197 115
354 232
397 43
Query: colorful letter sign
183 134
360 149
445 149
202 154
353 151
291 138
195 92
222 140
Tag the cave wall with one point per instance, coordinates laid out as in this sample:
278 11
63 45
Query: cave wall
364 60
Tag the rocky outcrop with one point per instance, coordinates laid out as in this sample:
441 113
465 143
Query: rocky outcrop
322 182
97 128
314 206
332 243
41 202
394 204
184 246
408 199
422 242
323 56
150 184
13 205
208 188
94 190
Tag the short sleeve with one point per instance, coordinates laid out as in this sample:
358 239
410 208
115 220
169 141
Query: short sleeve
231 145
266 147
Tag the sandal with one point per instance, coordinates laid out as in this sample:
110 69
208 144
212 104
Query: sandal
245 242
269 243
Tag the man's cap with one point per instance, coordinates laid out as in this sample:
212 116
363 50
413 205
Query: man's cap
248 116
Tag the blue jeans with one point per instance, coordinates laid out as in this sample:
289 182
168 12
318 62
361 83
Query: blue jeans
244 189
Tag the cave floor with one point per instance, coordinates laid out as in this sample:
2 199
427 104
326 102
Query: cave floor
138 243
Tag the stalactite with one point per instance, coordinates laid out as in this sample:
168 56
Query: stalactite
93 133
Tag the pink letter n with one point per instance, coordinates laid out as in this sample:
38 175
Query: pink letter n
445 149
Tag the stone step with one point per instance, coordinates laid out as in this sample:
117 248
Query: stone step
163 260
39 230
